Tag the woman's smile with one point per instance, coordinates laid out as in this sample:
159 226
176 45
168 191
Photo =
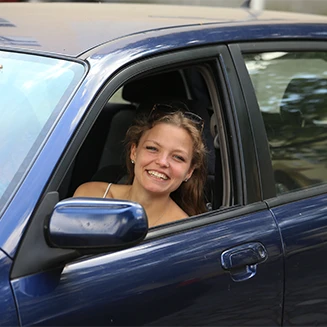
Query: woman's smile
157 175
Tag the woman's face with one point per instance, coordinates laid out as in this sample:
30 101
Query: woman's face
163 158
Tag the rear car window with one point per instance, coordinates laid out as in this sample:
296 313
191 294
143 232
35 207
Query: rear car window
33 90
291 89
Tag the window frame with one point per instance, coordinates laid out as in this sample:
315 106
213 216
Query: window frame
248 192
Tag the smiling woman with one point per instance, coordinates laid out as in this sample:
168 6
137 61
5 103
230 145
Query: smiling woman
166 166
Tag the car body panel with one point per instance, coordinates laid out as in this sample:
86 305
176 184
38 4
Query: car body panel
85 26
301 214
173 280
303 226
8 312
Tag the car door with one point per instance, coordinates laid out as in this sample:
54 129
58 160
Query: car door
224 267
8 309
175 279
293 104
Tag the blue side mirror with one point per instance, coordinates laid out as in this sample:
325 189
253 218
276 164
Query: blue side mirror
93 223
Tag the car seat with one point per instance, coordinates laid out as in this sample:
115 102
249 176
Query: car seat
303 113
304 100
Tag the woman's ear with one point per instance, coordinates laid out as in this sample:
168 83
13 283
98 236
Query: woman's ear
132 155
189 174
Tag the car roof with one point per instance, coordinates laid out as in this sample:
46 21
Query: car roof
74 28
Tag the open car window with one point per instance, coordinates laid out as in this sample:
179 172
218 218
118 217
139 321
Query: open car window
102 155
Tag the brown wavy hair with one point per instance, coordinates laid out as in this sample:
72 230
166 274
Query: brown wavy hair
189 195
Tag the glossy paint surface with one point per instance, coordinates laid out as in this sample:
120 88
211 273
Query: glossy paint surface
96 223
8 313
303 226
176 280
85 26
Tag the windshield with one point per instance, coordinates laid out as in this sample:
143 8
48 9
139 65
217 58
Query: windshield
33 91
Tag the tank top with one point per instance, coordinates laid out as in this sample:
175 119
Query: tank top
107 190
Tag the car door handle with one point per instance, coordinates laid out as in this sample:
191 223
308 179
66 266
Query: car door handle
242 260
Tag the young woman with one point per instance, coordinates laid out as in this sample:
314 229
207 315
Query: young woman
166 160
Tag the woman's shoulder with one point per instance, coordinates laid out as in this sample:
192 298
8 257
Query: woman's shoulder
180 213
119 191
176 213
91 189
101 189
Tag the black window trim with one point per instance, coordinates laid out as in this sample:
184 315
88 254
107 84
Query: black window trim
297 195
252 190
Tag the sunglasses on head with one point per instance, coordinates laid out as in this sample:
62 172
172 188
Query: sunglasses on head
160 110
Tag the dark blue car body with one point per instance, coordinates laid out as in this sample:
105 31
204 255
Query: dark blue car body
255 260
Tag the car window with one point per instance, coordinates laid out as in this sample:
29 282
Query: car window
31 90
136 99
118 97
291 88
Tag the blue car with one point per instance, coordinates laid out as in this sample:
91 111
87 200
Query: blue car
73 77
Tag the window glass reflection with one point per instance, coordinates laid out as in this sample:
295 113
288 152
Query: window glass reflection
291 89
32 92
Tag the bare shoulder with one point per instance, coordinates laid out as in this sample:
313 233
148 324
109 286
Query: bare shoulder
175 213
119 191
91 189
179 213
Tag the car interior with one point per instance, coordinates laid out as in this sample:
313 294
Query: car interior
101 156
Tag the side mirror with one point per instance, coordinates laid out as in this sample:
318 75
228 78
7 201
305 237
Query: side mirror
93 223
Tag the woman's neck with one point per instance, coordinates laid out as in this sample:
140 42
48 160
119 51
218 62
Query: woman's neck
156 207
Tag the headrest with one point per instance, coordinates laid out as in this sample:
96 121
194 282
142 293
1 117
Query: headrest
164 85
305 97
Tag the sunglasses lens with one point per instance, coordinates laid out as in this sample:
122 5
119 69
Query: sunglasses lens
194 118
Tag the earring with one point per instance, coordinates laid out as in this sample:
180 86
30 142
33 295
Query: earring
133 162
185 180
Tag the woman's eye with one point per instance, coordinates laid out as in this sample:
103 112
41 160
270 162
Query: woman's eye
179 158
151 148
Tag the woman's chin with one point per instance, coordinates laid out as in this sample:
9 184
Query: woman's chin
156 188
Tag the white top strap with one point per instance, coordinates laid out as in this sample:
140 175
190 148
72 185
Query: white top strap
107 190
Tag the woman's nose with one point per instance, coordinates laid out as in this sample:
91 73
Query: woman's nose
163 160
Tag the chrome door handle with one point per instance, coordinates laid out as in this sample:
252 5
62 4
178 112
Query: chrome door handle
242 260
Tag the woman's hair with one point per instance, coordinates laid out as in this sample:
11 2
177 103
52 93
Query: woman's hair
189 195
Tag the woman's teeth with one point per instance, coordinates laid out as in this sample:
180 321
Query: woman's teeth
156 174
